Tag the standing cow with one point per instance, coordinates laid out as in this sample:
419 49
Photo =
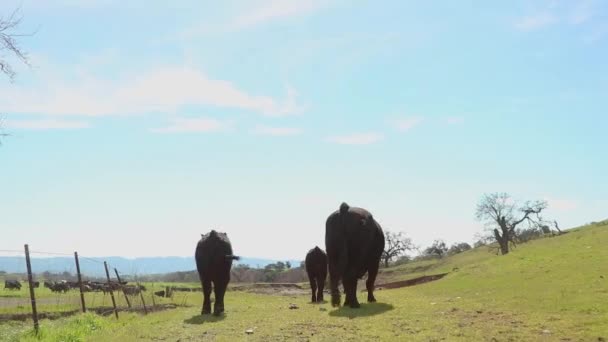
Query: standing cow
316 269
354 242
12 285
213 262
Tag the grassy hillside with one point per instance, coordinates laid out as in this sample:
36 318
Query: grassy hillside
552 289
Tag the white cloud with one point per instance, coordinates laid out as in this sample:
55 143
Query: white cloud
582 12
164 89
597 33
276 131
258 12
194 125
536 21
454 120
561 204
45 124
405 124
356 138
273 10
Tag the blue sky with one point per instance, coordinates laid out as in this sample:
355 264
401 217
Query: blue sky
142 124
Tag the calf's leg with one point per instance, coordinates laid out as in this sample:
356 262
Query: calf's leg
313 287
320 285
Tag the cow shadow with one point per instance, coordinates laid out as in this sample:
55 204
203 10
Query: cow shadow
366 309
200 319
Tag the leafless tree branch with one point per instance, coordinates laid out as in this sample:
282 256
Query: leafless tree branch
395 245
9 44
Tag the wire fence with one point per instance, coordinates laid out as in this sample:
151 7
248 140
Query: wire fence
63 284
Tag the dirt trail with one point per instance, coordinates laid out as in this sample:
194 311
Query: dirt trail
411 282
105 311
283 289
9 302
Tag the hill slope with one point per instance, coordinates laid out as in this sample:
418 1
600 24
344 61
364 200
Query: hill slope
552 289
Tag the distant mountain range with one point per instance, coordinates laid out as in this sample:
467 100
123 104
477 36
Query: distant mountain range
138 266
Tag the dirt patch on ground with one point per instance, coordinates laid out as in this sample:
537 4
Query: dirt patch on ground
282 289
15 302
291 289
104 311
411 282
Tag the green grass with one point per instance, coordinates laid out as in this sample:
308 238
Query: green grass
552 289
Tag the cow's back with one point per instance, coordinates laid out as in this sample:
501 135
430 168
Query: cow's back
316 261
356 230
211 255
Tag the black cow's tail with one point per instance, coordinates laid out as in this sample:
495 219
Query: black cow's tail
232 257
344 208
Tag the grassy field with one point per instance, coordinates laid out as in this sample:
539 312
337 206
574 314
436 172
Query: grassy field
552 289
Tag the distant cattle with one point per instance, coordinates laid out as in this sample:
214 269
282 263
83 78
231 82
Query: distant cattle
354 242
12 285
133 289
213 262
316 269
61 287
35 284
96 286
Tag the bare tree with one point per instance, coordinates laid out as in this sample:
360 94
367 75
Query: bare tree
503 215
459 248
559 231
437 249
8 43
395 245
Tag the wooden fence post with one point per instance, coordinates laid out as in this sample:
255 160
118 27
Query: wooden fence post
30 281
123 288
84 308
141 294
105 264
153 300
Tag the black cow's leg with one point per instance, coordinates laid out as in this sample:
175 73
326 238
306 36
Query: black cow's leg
346 282
313 287
347 291
220 290
334 282
371 279
350 288
337 265
354 303
320 285
206 297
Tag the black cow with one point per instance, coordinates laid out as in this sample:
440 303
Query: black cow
354 242
36 284
213 262
131 290
60 287
316 268
12 285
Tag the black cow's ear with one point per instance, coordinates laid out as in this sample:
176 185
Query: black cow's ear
363 222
